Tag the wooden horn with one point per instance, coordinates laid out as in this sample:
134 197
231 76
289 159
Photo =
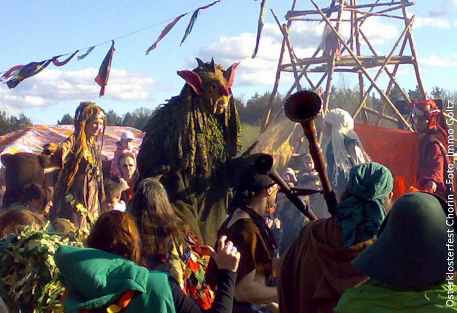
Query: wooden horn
303 107
264 165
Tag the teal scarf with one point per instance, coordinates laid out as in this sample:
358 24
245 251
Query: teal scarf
368 185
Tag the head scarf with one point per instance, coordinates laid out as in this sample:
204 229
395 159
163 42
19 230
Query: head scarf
369 183
342 126
85 112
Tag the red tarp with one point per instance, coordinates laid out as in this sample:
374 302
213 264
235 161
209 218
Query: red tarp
396 149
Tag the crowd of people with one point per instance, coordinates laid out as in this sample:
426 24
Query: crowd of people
366 255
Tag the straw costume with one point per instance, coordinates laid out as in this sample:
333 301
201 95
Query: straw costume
79 189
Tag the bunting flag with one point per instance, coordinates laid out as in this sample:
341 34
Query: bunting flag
193 19
263 7
103 72
86 54
165 32
11 73
27 71
58 63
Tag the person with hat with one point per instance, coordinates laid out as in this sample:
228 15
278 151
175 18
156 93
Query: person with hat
427 120
410 265
316 270
246 228
342 150
125 144
79 192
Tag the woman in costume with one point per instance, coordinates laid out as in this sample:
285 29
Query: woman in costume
79 189
108 275
168 243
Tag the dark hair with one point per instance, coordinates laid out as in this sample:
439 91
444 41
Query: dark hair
13 220
156 220
36 192
116 232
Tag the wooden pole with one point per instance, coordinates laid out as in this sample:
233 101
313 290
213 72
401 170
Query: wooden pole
408 27
363 69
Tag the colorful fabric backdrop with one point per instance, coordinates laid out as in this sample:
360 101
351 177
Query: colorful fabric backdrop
31 139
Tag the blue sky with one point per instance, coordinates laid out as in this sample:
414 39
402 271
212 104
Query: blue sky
35 31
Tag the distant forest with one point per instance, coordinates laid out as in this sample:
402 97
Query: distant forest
251 112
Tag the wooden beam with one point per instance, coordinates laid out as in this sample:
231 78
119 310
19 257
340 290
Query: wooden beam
291 14
367 75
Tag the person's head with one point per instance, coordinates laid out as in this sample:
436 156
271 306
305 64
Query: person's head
90 120
155 218
256 190
413 244
127 140
338 120
113 194
13 220
365 203
289 175
116 232
308 162
63 225
127 165
37 198
424 115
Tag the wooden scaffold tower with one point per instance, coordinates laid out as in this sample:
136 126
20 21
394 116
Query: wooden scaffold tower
352 53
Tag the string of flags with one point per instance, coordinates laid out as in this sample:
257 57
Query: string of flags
16 74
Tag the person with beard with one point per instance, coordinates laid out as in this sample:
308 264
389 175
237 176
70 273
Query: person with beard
247 229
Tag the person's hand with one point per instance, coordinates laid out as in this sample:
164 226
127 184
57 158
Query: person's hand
277 223
227 256
430 186
123 184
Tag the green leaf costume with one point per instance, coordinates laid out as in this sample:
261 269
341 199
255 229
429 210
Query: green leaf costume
191 142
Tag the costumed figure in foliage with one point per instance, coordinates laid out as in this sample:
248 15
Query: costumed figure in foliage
427 120
189 141
78 193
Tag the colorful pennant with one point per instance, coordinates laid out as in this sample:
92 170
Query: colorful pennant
263 7
58 63
103 72
193 19
11 73
86 54
18 73
165 32
27 71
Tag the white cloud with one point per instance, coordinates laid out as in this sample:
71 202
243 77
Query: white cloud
440 23
437 61
51 87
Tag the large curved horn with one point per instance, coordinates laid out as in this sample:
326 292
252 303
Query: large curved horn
303 107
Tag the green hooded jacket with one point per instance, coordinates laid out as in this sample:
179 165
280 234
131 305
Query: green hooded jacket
95 278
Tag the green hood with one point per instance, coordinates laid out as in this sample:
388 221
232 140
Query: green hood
96 278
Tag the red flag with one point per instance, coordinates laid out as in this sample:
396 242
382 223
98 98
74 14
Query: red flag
164 32
103 72
59 63
11 73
